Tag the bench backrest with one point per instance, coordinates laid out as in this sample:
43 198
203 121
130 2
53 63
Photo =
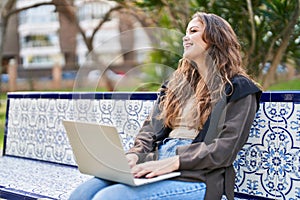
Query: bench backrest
267 166
34 120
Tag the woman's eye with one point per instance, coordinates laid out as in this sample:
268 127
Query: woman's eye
191 31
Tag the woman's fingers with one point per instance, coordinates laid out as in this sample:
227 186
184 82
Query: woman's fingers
140 170
155 168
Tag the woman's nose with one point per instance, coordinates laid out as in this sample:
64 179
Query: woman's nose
185 38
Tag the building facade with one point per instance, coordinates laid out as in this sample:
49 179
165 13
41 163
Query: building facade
38 30
42 37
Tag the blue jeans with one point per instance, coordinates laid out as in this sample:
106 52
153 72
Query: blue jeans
99 189
168 147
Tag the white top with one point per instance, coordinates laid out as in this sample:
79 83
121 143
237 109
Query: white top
182 129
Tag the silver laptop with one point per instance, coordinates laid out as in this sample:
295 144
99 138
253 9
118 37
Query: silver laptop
99 152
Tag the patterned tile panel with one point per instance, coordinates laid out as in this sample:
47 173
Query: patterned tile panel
35 127
268 166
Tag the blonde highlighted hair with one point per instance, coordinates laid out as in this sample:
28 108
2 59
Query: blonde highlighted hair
223 62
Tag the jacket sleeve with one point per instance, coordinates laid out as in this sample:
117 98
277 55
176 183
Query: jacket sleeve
223 150
152 131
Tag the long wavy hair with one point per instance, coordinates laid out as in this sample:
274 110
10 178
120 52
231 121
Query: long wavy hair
223 62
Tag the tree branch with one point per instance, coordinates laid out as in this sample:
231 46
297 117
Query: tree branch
105 19
26 8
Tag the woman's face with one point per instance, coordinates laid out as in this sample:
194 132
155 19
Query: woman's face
193 44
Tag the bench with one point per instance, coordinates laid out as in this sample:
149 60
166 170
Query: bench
38 162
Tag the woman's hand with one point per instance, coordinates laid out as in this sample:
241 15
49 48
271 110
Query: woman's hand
132 159
155 168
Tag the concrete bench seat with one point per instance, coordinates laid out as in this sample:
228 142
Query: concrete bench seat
38 162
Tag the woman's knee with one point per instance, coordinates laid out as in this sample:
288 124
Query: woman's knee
116 191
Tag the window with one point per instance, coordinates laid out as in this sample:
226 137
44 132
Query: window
40 40
92 10
42 60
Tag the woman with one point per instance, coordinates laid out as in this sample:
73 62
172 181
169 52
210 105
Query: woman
199 123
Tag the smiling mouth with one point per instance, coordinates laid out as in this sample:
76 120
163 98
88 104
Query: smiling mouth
187 45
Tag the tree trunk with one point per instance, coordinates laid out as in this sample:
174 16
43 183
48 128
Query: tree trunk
6 6
67 36
271 75
127 36
253 34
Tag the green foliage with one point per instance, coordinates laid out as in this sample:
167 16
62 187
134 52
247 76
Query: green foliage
2 124
149 4
260 41
164 57
286 85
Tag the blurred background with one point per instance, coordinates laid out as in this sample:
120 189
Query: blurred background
93 45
